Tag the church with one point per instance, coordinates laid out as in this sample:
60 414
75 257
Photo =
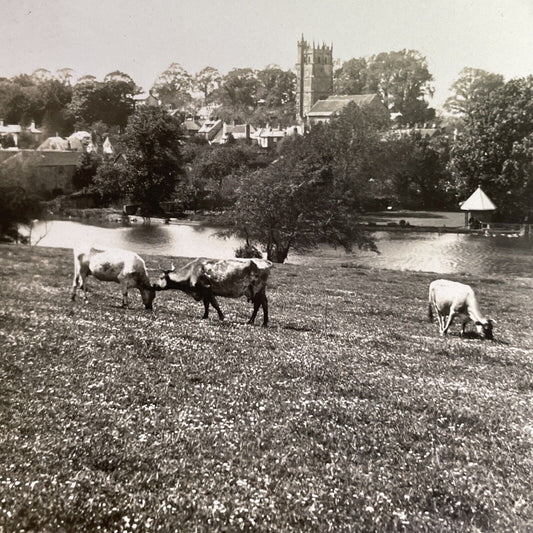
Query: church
315 101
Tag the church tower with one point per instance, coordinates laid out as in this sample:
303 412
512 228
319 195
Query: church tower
314 74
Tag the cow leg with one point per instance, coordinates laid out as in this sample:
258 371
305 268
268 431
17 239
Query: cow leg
451 316
214 303
74 286
124 287
83 276
440 320
206 306
259 300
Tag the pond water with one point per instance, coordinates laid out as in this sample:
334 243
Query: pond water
445 253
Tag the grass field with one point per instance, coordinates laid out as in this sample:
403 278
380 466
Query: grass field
349 413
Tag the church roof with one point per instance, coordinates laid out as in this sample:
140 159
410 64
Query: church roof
478 201
335 103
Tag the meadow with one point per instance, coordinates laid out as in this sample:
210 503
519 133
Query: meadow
348 413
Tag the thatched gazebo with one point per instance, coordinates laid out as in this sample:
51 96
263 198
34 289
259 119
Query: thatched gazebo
478 208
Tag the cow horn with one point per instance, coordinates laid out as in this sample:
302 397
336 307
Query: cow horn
172 268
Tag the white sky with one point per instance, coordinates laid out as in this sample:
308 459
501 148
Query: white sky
142 37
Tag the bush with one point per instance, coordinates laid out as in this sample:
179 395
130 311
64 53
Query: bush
16 207
248 251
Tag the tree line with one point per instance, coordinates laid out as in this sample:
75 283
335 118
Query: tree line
310 189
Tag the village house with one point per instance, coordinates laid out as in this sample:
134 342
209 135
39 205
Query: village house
235 132
43 172
324 110
209 129
13 131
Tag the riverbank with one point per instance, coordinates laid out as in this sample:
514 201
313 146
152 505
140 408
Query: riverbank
348 413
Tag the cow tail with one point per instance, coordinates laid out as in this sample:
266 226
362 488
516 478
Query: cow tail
430 311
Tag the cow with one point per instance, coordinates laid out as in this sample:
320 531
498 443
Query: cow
120 266
452 299
204 279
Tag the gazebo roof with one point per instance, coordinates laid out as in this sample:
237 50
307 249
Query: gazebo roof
478 201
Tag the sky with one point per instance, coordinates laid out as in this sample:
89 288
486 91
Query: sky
143 37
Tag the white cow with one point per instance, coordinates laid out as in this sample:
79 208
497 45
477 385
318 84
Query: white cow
120 266
452 299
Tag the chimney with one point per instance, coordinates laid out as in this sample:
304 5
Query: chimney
247 131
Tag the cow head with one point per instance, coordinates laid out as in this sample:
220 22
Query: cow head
148 295
162 283
485 329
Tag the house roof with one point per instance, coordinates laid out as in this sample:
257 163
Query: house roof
208 125
269 132
107 147
424 132
10 128
54 143
334 104
191 125
478 201
44 158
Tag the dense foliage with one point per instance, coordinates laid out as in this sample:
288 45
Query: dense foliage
150 166
495 149
313 192
402 80
16 207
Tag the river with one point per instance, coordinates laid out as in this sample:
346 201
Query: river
444 253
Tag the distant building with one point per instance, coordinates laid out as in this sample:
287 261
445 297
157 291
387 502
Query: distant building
478 208
269 137
425 132
325 110
235 131
146 99
190 127
210 129
14 130
314 75
43 172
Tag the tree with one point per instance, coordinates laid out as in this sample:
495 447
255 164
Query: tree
416 171
276 94
311 194
16 207
65 75
152 167
238 95
173 86
110 101
494 151
403 81
207 82
471 86
214 164
352 78
85 170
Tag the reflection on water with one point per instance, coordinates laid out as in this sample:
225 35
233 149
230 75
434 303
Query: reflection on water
430 252
445 253
159 239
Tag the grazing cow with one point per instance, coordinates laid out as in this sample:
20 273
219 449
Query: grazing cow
453 299
120 266
204 279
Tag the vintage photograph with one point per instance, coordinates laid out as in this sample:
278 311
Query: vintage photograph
266 266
